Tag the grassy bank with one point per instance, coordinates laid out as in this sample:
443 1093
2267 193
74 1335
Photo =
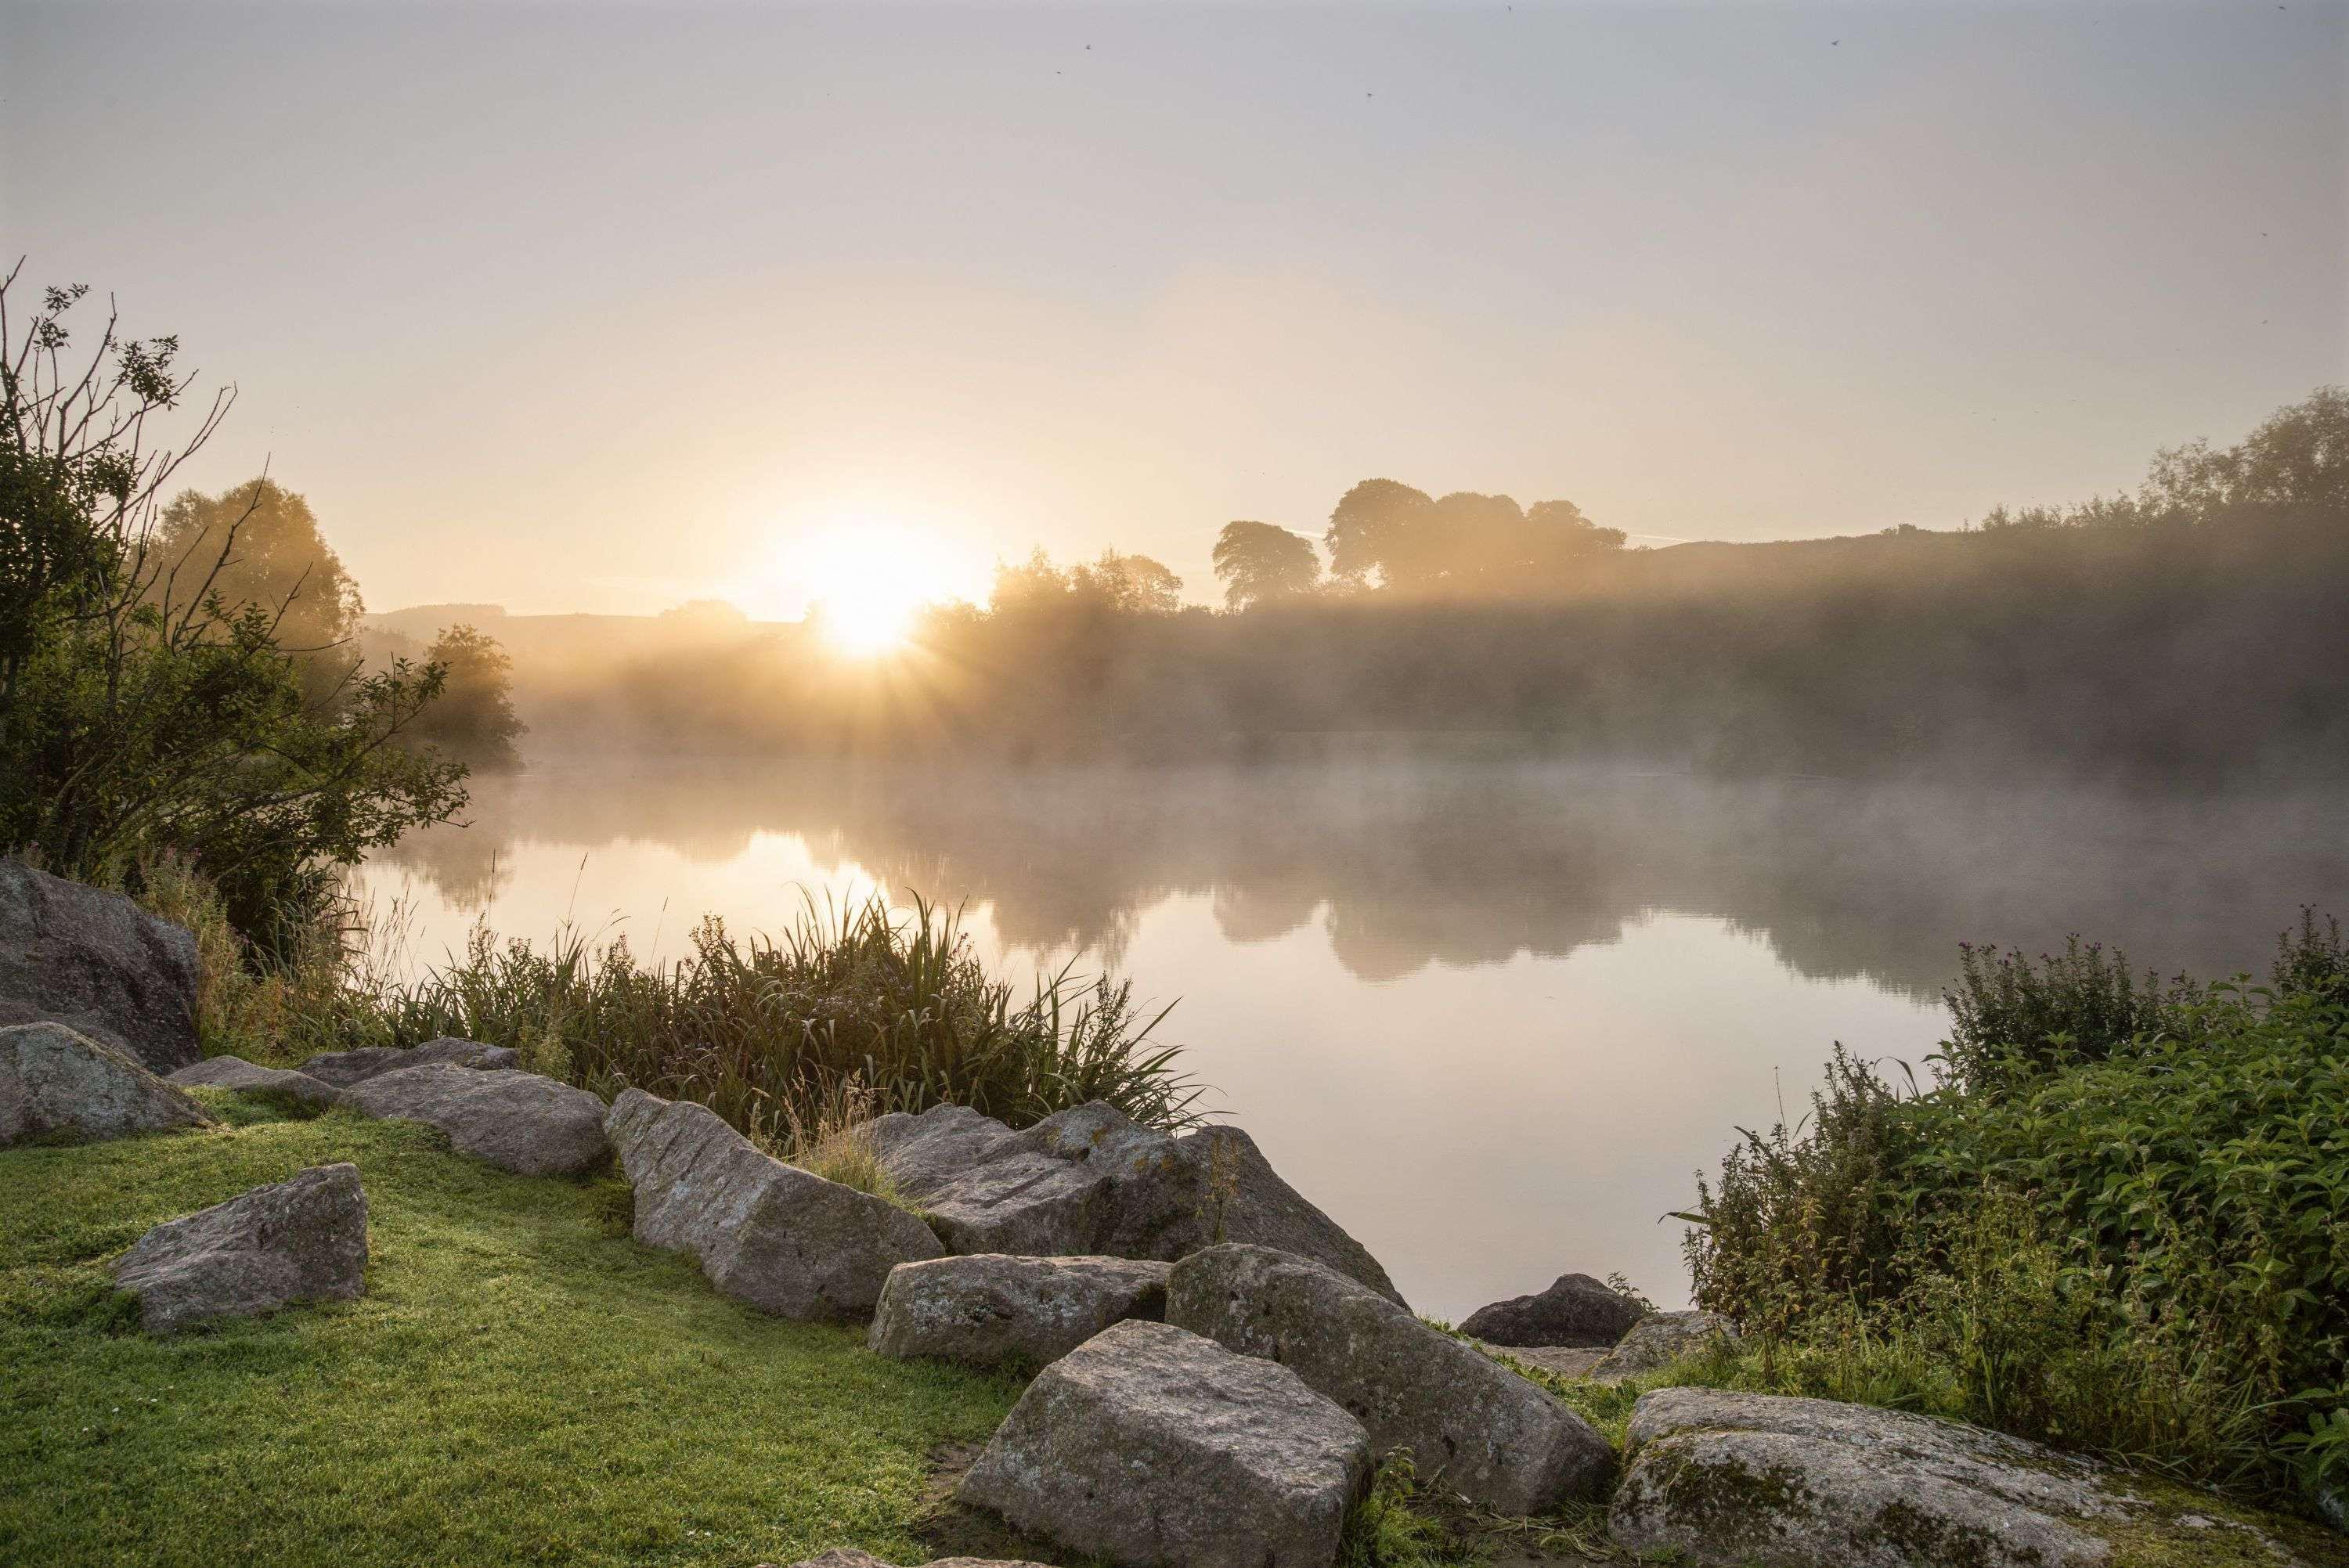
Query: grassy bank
522 1382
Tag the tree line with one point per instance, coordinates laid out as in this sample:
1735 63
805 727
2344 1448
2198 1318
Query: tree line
2186 632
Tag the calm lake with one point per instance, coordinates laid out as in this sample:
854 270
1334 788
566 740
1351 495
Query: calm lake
1492 1017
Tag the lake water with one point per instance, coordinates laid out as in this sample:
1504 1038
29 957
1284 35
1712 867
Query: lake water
1492 1017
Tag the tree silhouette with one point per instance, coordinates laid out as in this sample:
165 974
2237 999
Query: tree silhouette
1259 562
474 720
271 554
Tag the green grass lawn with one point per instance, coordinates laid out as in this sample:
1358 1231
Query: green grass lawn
522 1383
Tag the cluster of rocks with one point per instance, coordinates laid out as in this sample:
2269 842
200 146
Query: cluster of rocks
1219 1366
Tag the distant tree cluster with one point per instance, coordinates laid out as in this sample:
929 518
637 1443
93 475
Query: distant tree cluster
1384 537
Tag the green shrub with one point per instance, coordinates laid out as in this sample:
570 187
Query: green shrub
2009 1016
2126 1244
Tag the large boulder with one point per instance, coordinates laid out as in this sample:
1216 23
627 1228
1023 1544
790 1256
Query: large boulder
298 1240
264 1083
784 1240
1472 1425
1150 1445
55 1083
520 1121
1659 1339
1246 1200
98 963
1575 1310
1091 1182
990 1310
344 1069
1760 1481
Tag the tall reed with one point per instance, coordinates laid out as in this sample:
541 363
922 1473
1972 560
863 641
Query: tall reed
855 1000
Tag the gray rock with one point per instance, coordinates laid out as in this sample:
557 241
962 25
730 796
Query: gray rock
98 963
55 1083
987 1309
520 1121
1659 1339
1472 1425
1150 1445
786 1240
1575 1310
266 1083
344 1069
298 1240
1737 1478
1247 1202
1090 1181
849 1557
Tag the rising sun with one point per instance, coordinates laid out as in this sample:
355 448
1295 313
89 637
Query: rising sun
865 581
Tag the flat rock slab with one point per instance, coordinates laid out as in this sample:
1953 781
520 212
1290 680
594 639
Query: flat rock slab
519 1121
344 1069
784 1240
990 1310
1658 1340
248 1078
1565 1360
1148 1446
57 1083
97 962
1472 1426
1729 1479
1091 1181
298 1240
1576 1310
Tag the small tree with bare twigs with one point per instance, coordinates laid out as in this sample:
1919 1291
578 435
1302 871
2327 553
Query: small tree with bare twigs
140 710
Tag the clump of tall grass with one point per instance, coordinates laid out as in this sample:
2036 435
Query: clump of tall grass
770 1031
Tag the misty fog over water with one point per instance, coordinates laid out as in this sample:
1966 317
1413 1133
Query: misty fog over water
1492 1016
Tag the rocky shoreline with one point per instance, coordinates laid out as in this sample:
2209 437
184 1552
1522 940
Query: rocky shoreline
1216 1368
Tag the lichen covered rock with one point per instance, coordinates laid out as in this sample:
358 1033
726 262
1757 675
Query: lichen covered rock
989 1309
1728 1479
1472 1425
344 1069
1659 1339
518 1122
1576 1310
266 1083
303 1239
1148 1446
784 1240
99 963
57 1083
1091 1181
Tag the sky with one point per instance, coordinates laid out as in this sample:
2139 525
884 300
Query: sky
604 307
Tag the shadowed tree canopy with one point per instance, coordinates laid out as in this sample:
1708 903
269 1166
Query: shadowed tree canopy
1134 584
473 721
1465 546
257 545
1125 584
1262 562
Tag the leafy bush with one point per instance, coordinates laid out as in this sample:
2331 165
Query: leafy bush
2129 1244
2009 1015
142 711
